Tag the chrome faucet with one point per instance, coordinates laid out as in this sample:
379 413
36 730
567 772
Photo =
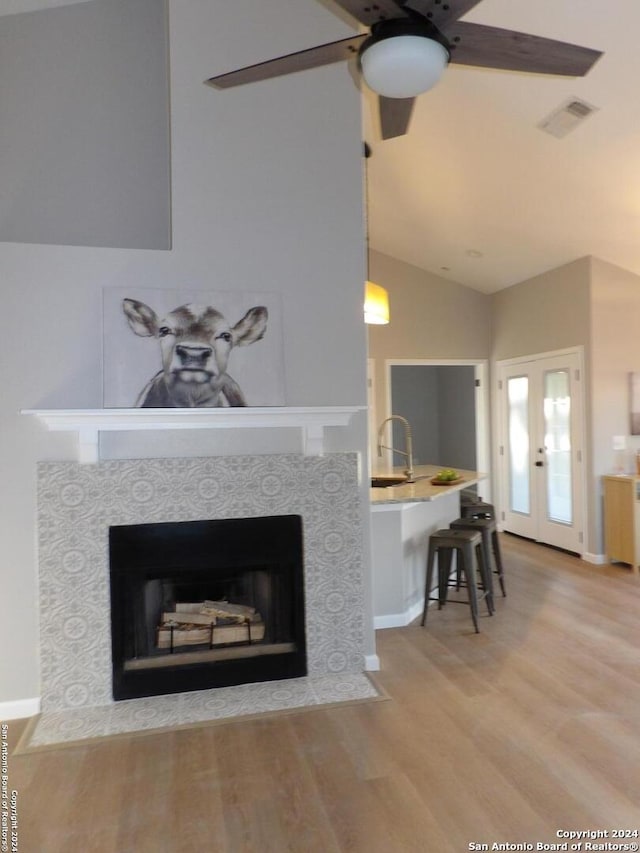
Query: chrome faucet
408 444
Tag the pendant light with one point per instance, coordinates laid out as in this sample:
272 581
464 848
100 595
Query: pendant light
376 298
376 304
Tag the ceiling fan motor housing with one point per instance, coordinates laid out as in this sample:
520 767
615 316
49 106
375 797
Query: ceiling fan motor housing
403 57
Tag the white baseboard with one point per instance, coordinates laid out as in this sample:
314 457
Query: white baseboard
398 620
393 620
371 663
19 709
596 559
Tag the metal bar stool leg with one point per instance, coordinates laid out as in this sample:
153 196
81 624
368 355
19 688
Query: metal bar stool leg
497 556
431 557
465 555
429 581
458 575
485 574
445 556
484 561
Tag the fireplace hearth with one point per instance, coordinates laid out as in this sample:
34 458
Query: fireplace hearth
203 604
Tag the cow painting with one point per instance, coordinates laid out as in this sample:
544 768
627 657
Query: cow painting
195 343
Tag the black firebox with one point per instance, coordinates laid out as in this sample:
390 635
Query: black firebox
203 604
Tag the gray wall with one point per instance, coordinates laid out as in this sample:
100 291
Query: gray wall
415 396
587 303
267 194
84 136
436 319
549 312
615 352
439 403
456 421
431 318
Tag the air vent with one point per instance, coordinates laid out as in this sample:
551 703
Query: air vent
567 117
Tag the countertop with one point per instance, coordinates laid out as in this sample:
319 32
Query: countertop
423 489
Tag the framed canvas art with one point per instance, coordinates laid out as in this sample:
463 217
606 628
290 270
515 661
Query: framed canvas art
182 348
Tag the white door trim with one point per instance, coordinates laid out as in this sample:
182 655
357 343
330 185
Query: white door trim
502 366
483 438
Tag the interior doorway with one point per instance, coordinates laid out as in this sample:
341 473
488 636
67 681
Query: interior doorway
446 403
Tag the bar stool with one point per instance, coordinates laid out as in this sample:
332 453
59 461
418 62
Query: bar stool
490 545
477 509
469 558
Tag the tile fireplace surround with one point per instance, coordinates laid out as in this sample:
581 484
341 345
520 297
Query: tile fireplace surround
77 504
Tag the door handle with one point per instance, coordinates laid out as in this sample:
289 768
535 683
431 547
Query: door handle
539 464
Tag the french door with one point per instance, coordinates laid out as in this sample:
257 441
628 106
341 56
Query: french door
541 449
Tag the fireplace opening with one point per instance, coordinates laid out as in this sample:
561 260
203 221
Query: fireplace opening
203 604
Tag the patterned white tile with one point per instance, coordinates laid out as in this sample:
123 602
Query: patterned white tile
78 503
184 709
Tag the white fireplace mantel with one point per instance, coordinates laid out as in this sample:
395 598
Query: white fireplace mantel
89 423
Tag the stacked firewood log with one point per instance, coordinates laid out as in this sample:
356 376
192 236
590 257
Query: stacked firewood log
209 622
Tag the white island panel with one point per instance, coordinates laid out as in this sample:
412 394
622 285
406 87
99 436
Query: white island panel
400 538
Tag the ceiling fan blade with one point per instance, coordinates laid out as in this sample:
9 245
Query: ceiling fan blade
490 47
369 13
440 13
395 114
325 54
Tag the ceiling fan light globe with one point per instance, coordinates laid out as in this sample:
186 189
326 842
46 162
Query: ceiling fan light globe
403 66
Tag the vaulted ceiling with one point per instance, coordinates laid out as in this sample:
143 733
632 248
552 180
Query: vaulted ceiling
478 193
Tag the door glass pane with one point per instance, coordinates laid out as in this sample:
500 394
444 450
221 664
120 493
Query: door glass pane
557 442
518 397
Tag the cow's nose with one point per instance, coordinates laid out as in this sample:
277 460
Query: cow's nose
193 356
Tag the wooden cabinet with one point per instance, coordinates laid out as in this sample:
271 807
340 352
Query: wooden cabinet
622 519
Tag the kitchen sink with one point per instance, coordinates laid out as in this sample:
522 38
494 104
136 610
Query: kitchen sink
385 482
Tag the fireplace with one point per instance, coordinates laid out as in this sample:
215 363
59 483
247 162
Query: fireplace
78 505
201 604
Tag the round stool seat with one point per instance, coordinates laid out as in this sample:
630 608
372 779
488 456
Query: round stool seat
477 509
449 537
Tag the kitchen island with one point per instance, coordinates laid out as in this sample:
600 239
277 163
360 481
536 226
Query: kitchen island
402 519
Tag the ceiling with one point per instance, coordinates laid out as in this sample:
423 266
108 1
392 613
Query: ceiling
476 192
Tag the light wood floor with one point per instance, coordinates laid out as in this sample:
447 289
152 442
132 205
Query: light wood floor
530 727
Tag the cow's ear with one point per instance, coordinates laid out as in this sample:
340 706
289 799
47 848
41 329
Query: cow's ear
252 326
142 319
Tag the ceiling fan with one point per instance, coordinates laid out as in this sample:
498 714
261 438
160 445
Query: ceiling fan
409 45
